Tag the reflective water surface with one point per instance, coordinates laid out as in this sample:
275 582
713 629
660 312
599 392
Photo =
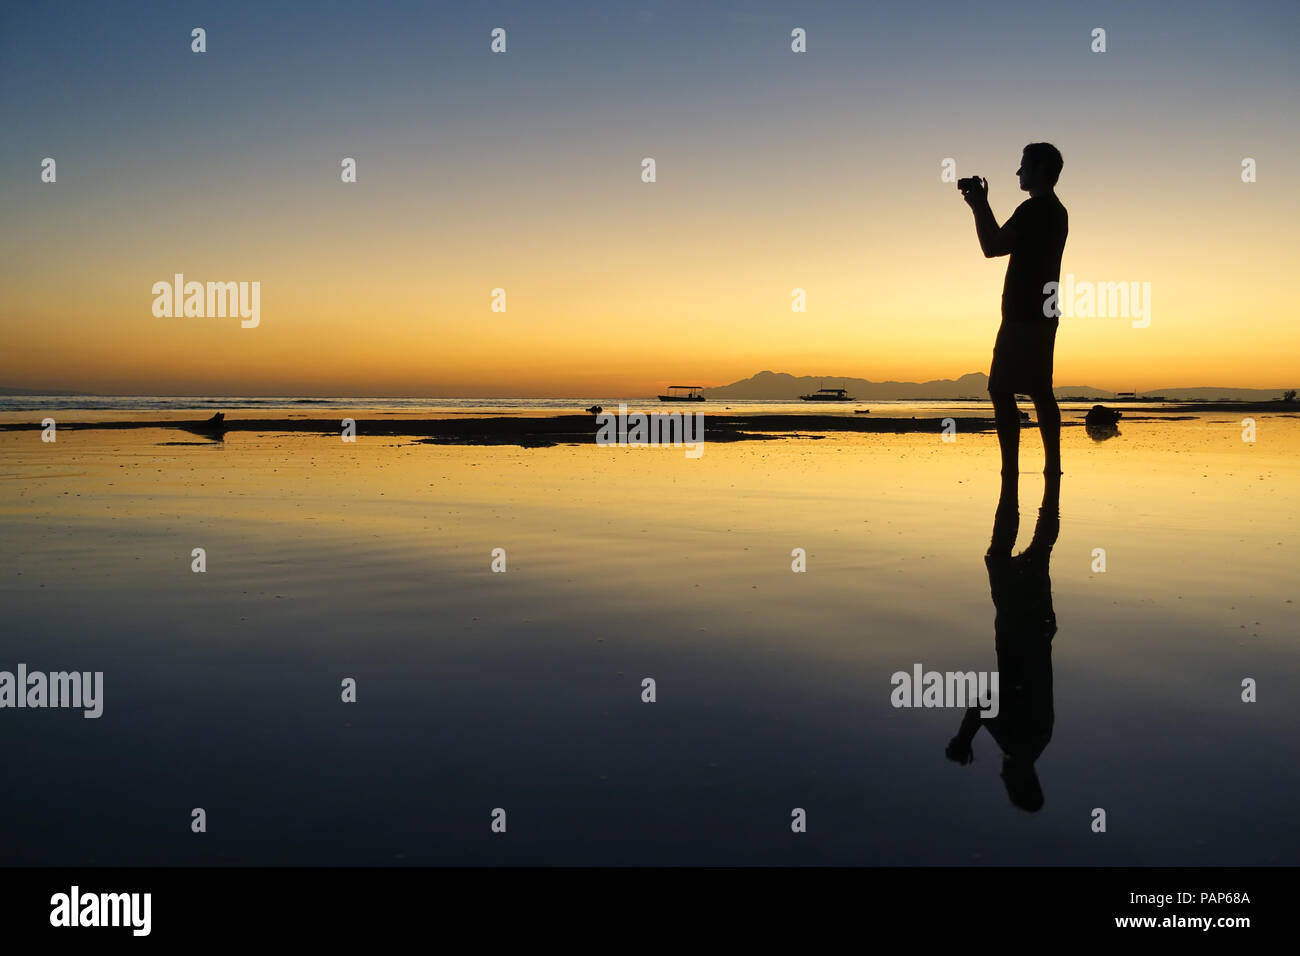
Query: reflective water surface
523 690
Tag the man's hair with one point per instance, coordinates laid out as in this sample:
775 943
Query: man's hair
1046 157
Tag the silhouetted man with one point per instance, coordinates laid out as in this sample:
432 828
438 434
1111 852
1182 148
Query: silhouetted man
1034 237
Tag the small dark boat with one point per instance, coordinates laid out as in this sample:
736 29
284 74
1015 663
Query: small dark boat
683 393
595 409
861 411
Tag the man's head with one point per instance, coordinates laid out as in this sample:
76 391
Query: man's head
1040 167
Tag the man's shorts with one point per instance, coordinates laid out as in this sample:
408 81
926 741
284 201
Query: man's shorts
1022 356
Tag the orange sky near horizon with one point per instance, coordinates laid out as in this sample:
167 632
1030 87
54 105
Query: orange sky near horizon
624 300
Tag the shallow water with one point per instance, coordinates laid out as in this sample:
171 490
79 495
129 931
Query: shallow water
522 690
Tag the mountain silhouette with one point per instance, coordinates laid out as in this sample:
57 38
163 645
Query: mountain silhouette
782 386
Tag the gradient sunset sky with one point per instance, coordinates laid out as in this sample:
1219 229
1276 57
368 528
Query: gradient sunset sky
776 170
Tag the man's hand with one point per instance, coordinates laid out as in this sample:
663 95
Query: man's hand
975 191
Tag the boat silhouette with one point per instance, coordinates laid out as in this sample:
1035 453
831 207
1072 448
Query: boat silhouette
692 393
829 395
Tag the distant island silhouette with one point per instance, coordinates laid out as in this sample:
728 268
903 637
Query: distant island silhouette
782 386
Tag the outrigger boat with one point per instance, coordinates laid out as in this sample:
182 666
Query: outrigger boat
683 393
829 395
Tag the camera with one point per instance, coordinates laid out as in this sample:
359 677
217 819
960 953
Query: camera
970 182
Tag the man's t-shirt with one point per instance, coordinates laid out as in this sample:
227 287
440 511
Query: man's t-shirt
1040 227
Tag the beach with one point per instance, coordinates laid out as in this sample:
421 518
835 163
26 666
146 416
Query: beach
522 690
544 424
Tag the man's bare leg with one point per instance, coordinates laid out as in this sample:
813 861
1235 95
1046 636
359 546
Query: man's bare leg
1007 415
1049 425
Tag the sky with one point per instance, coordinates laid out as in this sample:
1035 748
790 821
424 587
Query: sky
522 171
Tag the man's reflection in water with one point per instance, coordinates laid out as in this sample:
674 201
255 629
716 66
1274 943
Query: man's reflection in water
1024 625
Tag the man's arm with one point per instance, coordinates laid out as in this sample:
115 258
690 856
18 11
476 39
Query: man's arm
994 241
